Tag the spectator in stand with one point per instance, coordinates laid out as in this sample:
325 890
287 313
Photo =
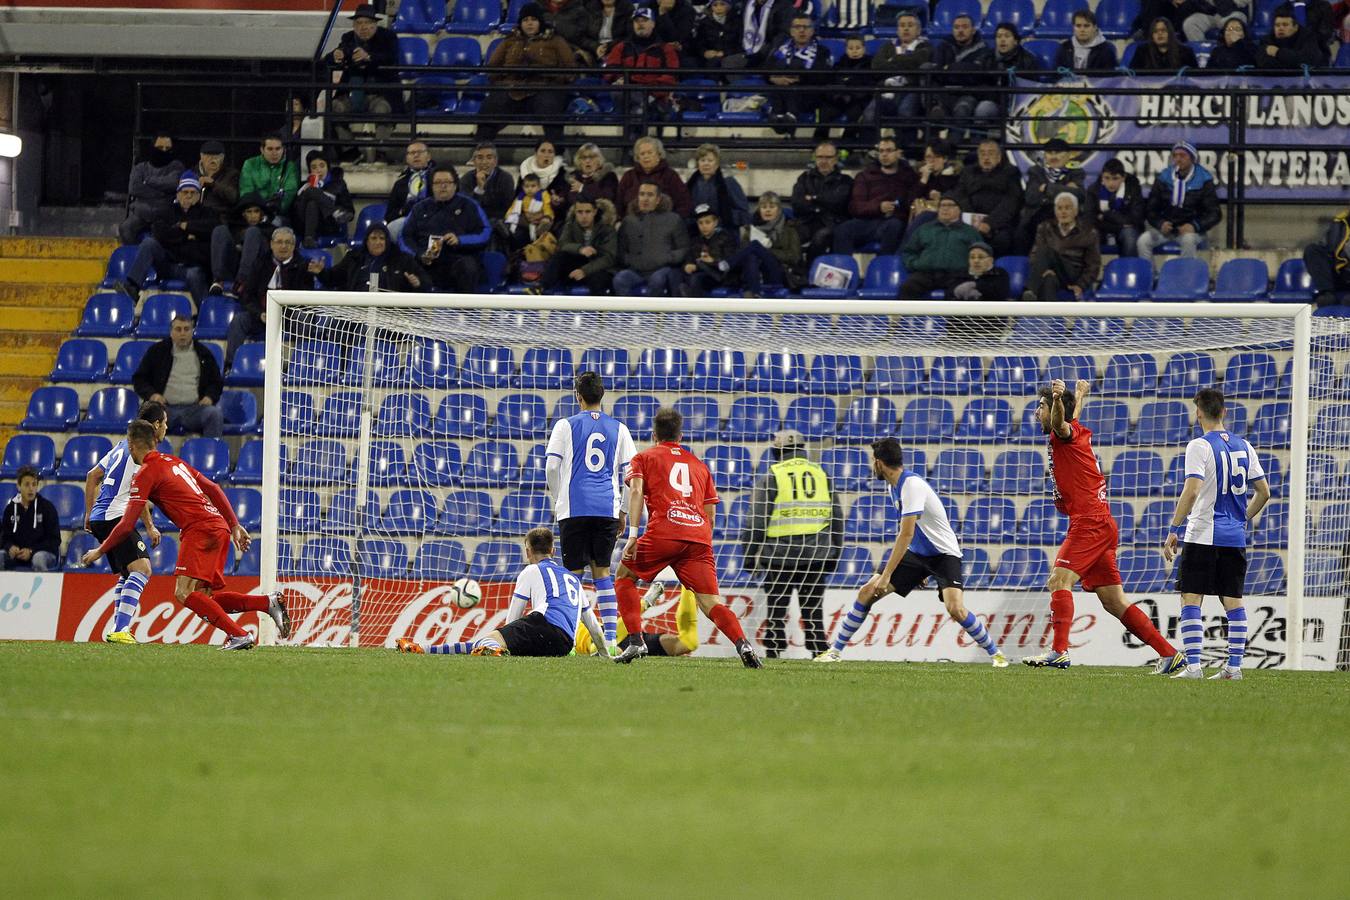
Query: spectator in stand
281 269
1088 50
1163 51
380 257
546 163
1046 180
150 191
531 214
991 192
717 37
710 186
652 245
1328 262
603 23
801 53
220 184
1066 254
705 266
966 63
491 187
238 245
1207 15
1290 45
30 537
1010 54
937 253
412 185
588 248
984 280
1235 48
879 203
649 156
592 176
939 174
179 245
568 19
773 255
1116 206
627 62
366 55
181 373
900 63
532 97
323 206
675 26
1174 11
765 24
1182 205
273 177
820 200
1340 21
449 231
851 70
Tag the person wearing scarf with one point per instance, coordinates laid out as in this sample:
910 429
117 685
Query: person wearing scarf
1182 205
801 52
1235 50
377 256
710 186
412 185
765 25
1065 256
1087 50
1116 205
773 255
1049 177
899 63
1162 52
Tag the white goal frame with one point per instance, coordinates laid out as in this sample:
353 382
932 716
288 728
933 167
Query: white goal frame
1300 388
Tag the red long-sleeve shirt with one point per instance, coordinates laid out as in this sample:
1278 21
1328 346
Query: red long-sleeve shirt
185 495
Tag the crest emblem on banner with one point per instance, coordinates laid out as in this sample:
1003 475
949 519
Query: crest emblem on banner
1084 120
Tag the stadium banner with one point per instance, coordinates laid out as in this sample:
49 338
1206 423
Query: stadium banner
79 606
1279 116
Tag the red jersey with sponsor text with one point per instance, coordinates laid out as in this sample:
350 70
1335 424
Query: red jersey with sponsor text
1079 485
171 484
676 484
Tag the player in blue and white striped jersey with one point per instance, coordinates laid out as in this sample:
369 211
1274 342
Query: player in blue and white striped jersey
587 454
1211 521
925 547
106 491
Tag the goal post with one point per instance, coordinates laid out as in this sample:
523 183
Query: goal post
342 368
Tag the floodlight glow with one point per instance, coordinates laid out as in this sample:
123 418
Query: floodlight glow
11 145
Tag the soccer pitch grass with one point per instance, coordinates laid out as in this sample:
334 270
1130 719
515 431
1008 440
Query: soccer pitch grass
183 771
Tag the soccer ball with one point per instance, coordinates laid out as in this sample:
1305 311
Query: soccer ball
466 593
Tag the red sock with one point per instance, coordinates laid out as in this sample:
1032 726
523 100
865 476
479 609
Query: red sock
1061 619
232 601
1141 627
630 605
727 623
210 610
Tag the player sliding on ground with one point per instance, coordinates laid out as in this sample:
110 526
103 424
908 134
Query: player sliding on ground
925 547
1088 553
683 642
681 501
202 512
551 625
1211 519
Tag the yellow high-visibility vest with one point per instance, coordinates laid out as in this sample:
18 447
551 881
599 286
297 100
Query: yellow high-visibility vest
802 504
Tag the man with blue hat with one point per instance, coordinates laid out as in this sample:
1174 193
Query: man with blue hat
179 246
1182 206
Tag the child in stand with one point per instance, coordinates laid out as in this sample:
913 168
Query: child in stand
706 265
852 70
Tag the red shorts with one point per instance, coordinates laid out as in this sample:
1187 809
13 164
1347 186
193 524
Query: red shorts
202 554
693 563
1089 551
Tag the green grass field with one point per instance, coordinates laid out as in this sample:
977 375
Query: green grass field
285 773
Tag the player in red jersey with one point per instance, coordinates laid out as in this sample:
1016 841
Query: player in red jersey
681 500
1088 553
200 509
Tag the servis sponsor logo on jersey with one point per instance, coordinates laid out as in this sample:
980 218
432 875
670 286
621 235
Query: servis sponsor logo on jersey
685 517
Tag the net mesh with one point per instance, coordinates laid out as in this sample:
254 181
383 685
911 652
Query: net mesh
448 410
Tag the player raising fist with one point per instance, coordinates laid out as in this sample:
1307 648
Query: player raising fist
1088 553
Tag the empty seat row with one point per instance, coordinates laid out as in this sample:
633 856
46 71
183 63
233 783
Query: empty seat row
55 408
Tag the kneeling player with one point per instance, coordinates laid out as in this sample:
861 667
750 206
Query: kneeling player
925 547
550 627
685 640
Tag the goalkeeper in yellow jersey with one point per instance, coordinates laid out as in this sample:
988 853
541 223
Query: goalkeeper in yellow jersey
686 623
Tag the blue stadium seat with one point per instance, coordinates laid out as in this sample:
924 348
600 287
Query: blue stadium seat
372 213
436 463
1018 472
1042 525
1155 330
868 419
341 414
36 450
896 375
947 10
1116 18
1186 373
1070 368
218 354
1175 476
752 419
1331 427
440 561
164 558
1241 280
1323 474
958 472
240 409
1234 419
1126 278
342 516
702 417
1142 570
315 363
1056 22
382 558
461 415
248 464
119 263
1181 279
490 464
731 570
988 420
925 330
1293 284
1265 574
990 520
109 411
1162 422
1151 527
81 359
107 315
1274 474
660 369
1012 376
844 261
882 281
421 17
82 542
1325 574
412 53
387 464
208 455
1251 375
1021 13
1046 50
496 561
778 372
127 361
814 417
534 470
409 511
1123 512
466 513
834 373
325 557
636 411
731 466
729 518
872 517
246 370
719 370
1272 526
298 415
977 569
521 416
1108 419
158 311
488 367
1021 569
546 368
319 461
1130 375
1136 473
927 420
1098 331
1272 426
1342 60
956 375
247 506
432 364
474 17
848 468
855 566
522 510
78 456
610 362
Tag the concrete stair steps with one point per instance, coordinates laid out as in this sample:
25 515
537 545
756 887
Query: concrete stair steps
27 319
18 388
36 362
71 295
62 270
56 248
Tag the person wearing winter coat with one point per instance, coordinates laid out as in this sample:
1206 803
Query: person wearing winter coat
30 534
630 61
649 156
675 25
772 255
1203 15
179 245
1163 51
710 186
449 232
717 37
220 183
653 243
378 256
965 63
412 185
1046 180
820 199
592 177
879 203
368 54
710 247
519 93
937 254
984 280
323 205
1088 50
588 249
1182 206
1115 204
281 268
1010 54
851 70
1234 50
1328 262
1066 254
273 177
991 191
1290 45
238 244
903 65
801 63
596 26
151 189
765 24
